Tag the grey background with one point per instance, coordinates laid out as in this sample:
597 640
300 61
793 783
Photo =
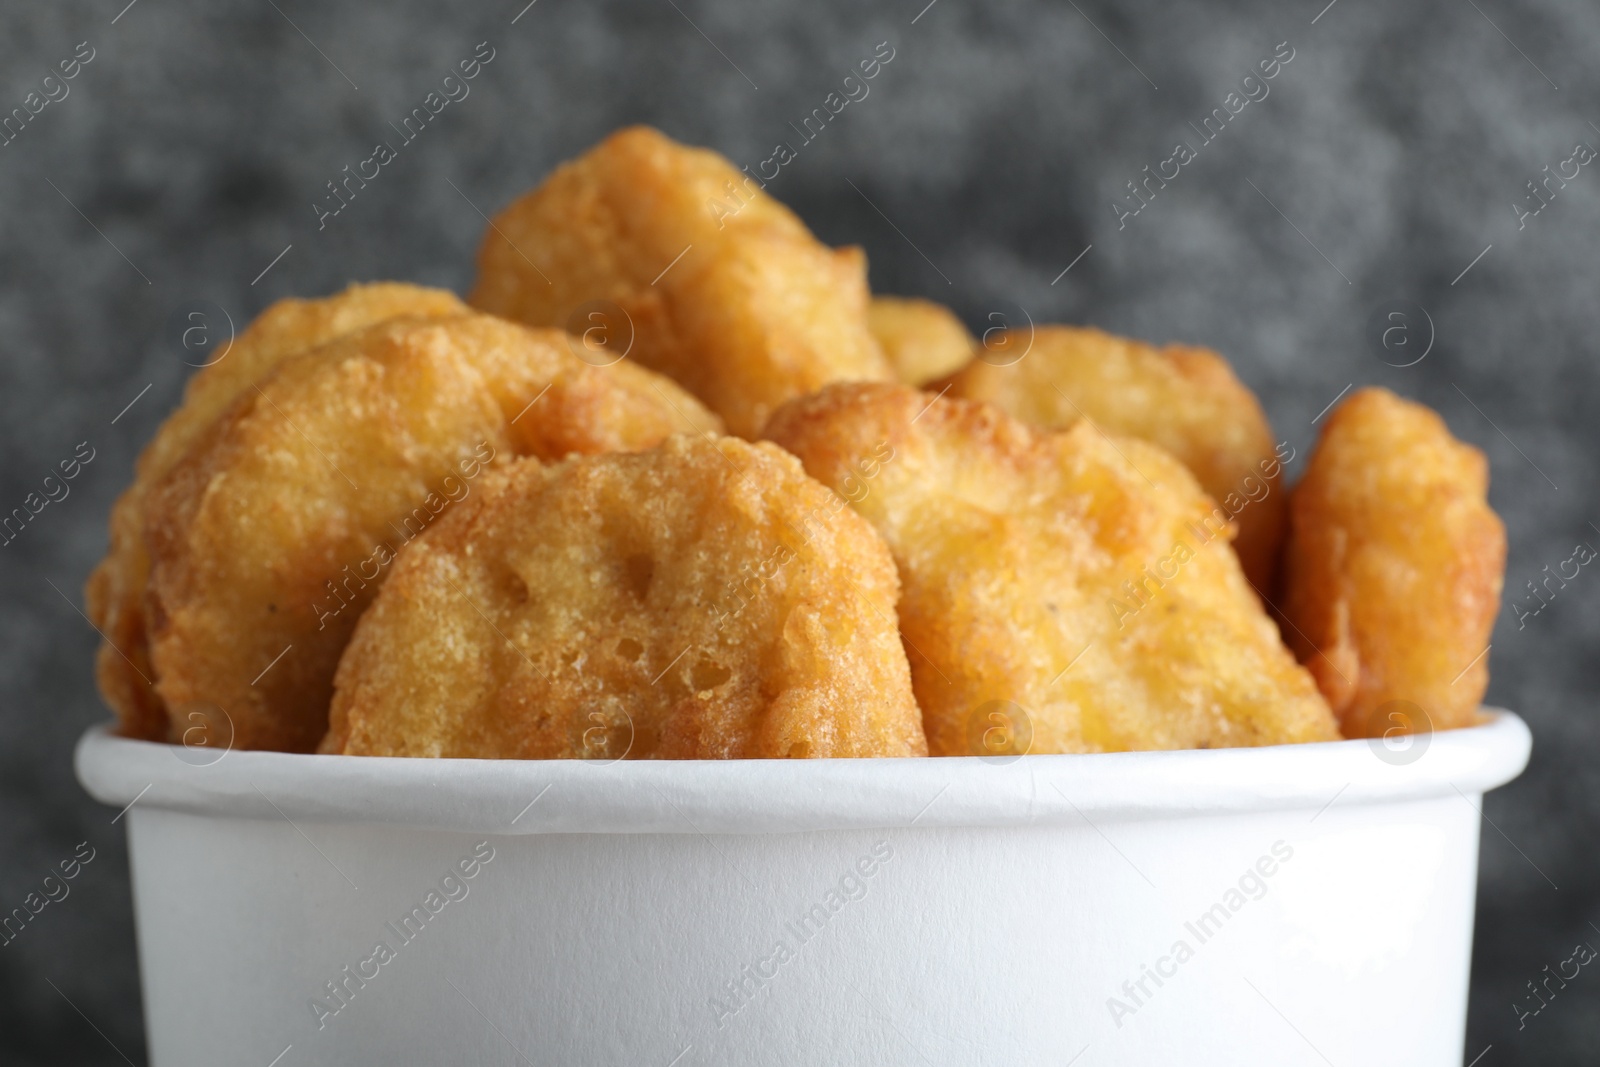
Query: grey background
1396 141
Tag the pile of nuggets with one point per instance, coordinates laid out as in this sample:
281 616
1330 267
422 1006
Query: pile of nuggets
674 484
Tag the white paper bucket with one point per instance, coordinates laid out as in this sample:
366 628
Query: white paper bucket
1307 904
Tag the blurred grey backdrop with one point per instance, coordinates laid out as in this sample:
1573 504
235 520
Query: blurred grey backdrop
1386 168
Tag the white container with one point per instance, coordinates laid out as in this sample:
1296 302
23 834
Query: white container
961 911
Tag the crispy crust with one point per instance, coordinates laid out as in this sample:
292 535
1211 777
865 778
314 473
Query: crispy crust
1185 399
921 339
704 599
1394 566
115 591
276 528
755 312
1019 552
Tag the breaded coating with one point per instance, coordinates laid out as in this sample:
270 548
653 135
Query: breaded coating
1187 400
722 288
115 592
556 402
1083 577
704 599
1394 565
921 339
270 536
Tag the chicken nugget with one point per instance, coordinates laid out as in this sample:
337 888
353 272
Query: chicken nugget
271 535
115 591
686 265
1393 568
1074 590
921 339
1184 399
704 599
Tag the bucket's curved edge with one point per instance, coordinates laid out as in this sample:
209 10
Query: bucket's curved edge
786 796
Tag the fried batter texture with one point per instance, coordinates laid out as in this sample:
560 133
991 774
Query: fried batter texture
1393 569
680 260
1081 584
704 599
921 339
115 591
1184 399
272 533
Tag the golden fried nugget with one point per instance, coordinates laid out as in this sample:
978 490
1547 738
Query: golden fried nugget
921 339
1184 399
115 590
1063 591
271 535
1393 568
721 287
704 599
